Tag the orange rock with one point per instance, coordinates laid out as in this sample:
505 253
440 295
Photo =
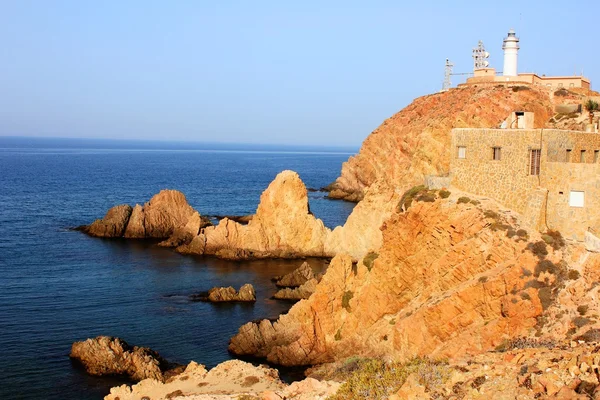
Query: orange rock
415 142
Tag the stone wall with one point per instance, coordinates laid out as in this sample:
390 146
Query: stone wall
542 199
560 179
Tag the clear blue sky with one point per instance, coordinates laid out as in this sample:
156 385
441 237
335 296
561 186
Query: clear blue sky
307 72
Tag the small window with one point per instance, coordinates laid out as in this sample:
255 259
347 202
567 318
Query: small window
568 156
582 156
576 199
571 85
596 152
496 153
560 85
462 152
534 161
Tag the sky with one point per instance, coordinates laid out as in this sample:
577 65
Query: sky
275 72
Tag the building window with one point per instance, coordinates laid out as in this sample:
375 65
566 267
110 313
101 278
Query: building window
576 199
582 156
596 152
496 153
568 156
534 161
462 152
571 85
560 85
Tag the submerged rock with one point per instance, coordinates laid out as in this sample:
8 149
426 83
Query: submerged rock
105 355
296 278
227 294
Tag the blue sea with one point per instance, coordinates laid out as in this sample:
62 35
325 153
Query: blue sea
58 286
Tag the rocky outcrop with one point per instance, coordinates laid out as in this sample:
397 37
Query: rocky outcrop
166 214
297 277
282 227
112 225
450 278
106 355
415 142
227 294
297 293
246 293
229 380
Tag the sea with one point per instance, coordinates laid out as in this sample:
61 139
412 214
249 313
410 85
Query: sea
58 285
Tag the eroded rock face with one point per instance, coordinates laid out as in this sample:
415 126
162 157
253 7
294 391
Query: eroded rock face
297 277
113 224
106 355
416 141
447 280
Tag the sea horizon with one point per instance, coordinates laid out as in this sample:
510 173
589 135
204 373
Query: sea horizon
66 143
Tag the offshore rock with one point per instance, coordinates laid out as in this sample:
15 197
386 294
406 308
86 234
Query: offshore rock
415 142
282 227
166 214
297 277
228 294
449 279
112 225
298 293
185 234
106 355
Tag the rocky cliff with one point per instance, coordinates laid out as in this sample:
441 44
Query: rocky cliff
453 276
416 141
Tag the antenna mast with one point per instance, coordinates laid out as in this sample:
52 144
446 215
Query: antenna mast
480 56
447 72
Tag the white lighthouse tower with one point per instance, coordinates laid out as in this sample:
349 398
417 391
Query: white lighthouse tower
511 48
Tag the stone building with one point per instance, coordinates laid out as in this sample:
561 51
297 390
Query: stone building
551 177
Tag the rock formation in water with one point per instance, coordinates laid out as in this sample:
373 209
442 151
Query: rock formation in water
228 294
167 214
229 380
112 225
297 277
416 141
450 278
297 293
106 355
283 226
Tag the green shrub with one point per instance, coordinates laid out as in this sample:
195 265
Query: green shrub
346 299
444 194
463 200
581 321
538 249
522 233
338 335
583 309
377 380
369 259
408 196
426 196
573 274
491 214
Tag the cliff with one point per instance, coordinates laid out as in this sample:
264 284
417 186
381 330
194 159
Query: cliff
416 141
451 277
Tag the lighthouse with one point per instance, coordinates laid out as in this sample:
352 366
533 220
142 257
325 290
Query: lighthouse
511 48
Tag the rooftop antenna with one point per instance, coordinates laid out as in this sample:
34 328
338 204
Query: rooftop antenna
480 57
447 72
